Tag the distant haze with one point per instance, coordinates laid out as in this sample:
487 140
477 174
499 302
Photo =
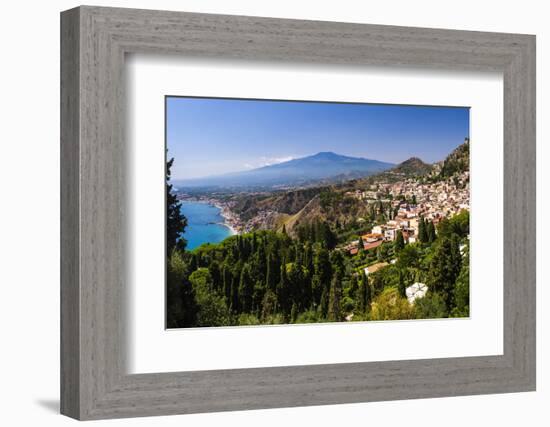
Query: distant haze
321 166
212 137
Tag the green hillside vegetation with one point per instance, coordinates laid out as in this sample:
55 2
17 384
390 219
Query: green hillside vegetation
271 277
347 215
456 162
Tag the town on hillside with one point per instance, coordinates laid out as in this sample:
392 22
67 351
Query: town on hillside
413 202
389 246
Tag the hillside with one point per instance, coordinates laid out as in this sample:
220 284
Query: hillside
456 162
335 203
413 166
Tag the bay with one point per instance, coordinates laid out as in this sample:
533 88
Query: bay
204 224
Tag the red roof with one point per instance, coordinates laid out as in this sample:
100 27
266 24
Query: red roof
372 245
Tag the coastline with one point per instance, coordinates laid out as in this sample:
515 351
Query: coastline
228 216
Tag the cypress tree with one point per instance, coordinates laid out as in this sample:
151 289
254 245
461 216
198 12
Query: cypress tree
335 298
445 268
366 293
361 247
217 280
430 232
322 275
246 289
234 295
323 304
363 299
401 284
399 243
354 287
175 220
293 313
282 289
422 232
273 273
226 275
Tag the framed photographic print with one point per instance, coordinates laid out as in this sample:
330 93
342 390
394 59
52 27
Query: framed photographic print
321 233
262 213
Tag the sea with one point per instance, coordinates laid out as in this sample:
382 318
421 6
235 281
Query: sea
205 224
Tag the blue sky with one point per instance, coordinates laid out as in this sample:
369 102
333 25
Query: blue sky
209 136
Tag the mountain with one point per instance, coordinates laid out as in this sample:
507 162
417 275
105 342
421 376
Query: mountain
324 166
413 166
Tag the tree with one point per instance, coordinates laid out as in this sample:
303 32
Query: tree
227 279
328 238
430 232
382 253
361 246
175 220
293 312
215 272
269 305
246 289
273 272
283 289
364 294
337 262
402 287
389 305
431 306
462 289
212 310
399 243
409 257
422 232
353 287
335 298
181 305
445 267
458 224
322 274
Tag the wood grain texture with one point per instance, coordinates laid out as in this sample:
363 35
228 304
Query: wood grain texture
94 381
70 333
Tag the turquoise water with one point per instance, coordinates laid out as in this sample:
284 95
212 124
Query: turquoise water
204 224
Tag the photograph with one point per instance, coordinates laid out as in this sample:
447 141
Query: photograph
286 212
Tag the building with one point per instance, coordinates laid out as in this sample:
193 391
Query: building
416 291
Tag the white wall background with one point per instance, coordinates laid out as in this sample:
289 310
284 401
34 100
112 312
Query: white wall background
29 212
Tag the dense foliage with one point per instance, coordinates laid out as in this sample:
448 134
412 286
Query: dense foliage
271 277
267 277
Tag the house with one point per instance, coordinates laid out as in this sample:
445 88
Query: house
416 291
372 240
372 237
378 229
352 247
373 245
390 234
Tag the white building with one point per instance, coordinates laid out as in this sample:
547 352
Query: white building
416 291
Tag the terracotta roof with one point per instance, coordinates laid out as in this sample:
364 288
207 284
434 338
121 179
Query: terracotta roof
372 245
372 236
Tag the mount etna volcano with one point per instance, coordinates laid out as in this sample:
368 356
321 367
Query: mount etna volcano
323 166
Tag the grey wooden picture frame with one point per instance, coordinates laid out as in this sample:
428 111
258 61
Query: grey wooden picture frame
94 42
